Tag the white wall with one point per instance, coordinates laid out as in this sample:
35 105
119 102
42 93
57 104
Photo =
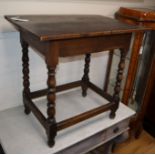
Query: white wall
69 69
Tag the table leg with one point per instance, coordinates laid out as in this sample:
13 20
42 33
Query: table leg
85 78
117 87
51 122
26 82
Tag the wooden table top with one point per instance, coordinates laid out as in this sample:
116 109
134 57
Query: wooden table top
55 27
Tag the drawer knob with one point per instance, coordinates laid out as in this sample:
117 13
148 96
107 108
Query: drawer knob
116 130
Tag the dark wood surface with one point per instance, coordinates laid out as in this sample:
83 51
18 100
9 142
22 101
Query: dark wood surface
53 27
86 115
70 35
146 83
119 77
132 69
149 99
145 17
134 16
150 114
137 16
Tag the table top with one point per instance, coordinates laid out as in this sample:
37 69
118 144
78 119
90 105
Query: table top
56 27
20 133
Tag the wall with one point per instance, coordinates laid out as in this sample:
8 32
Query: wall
69 69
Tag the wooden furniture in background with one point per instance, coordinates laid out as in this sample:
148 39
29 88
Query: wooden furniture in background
149 98
143 17
70 35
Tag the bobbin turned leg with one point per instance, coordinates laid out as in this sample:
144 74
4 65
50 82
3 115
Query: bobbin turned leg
117 87
26 83
51 122
85 78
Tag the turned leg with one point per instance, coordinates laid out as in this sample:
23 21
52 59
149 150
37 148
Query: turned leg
117 87
51 122
85 78
26 83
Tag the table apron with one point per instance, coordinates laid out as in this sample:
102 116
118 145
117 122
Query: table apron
73 47
93 45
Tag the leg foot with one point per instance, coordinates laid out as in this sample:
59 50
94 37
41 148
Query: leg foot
27 110
112 115
51 143
51 132
113 110
84 93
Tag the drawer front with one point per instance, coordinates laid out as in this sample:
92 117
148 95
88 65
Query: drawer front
98 139
117 129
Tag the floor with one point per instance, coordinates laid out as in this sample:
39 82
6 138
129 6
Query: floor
144 145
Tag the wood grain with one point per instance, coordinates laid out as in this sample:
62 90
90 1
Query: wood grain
56 27
145 144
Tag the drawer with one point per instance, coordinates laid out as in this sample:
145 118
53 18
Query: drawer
98 139
116 129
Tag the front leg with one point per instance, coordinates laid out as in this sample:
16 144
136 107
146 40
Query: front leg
51 97
117 88
26 82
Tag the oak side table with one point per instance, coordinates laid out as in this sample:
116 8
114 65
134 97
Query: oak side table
55 36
